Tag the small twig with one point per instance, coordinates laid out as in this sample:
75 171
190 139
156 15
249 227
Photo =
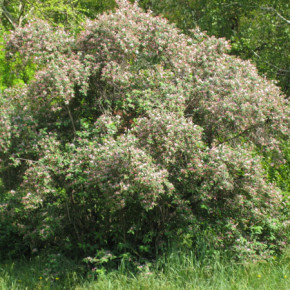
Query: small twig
72 120
71 221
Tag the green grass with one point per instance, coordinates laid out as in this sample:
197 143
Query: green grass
176 271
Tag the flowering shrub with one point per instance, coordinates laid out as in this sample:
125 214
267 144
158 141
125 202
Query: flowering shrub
132 135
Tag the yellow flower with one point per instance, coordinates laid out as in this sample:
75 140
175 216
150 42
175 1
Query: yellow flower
40 278
56 278
285 276
259 275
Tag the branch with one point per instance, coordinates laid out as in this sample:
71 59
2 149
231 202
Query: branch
8 16
279 69
72 120
28 160
21 17
256 7
277 13
241 133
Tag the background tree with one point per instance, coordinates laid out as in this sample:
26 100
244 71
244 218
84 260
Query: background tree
17 13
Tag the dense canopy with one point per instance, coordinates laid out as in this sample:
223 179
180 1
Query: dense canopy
132 134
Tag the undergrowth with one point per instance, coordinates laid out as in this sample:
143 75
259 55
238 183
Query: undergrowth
177 270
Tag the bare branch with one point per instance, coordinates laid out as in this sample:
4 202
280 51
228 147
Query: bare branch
270 64
256 6
276 12
72 120
8 16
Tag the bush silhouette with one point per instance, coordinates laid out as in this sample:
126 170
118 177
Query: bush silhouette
132 135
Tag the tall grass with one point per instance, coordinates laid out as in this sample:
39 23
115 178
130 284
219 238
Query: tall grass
173 271
180 271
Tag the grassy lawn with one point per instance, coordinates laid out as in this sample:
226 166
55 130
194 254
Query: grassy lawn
176 271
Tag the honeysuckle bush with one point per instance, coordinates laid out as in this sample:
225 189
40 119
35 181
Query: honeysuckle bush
132 136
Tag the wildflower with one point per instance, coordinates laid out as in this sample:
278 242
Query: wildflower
259 275
285 276
40 278
57 278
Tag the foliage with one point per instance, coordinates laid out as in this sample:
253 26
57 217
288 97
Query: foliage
65 13
133 135
92 8
176 270
68 14
258 30
17 13
13 72
42 272
279 173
